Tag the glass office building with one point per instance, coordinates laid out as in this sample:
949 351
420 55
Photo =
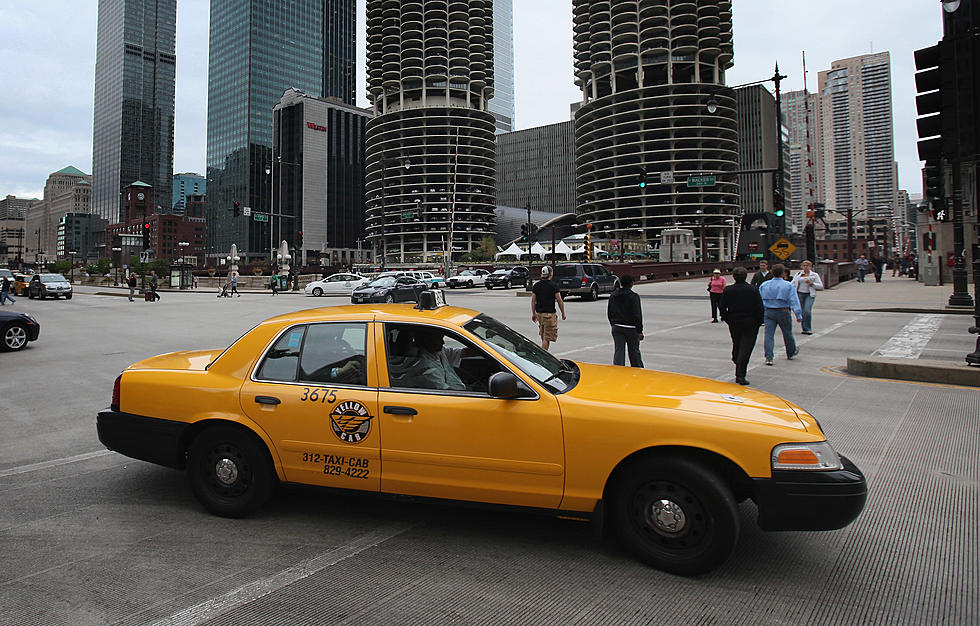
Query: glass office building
258 49
133 126
502 103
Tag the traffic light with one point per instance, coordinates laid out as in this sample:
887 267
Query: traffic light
524 232
299 240
780 212
236 209
940 212
146 235
642 184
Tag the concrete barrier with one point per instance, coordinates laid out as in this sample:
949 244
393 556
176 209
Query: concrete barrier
921 370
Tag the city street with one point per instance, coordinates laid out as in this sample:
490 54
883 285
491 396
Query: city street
91 537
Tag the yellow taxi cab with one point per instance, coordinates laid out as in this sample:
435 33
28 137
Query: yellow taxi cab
441 402
21 282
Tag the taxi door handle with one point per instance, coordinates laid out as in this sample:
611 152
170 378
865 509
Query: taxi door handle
267 400
400 410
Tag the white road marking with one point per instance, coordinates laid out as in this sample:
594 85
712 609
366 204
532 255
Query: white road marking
607 344
249 592
800 342
911 340
33 467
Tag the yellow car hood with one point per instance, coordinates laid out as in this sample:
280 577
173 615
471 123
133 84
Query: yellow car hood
607 384
184 360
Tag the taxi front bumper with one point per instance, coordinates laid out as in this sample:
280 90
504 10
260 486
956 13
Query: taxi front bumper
811 500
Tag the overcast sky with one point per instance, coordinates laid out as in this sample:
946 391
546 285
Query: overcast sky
47 69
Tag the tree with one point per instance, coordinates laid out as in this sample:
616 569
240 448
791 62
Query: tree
485 251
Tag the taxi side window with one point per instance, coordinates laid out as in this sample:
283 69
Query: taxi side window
335 354
428 357
282 360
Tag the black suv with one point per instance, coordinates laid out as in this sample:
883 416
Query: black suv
507 277
585 279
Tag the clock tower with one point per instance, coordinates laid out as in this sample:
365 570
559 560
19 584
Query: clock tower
138 200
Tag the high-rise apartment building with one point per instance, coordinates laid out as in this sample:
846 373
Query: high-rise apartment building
655 105
133 130
857 144
430 148
257 51
536 167
187 184
68 190
802 119
758 148
502 103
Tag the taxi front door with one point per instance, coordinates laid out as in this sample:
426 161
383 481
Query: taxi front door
321 420
468 446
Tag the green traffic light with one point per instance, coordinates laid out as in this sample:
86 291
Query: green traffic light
779 212
643 184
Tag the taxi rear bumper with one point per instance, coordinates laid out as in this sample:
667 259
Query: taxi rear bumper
810 500
144 438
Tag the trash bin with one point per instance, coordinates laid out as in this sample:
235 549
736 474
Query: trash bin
929 272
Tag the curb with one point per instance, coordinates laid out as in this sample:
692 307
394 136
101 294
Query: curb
921 370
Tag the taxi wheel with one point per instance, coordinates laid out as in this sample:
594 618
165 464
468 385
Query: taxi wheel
229 472
675 515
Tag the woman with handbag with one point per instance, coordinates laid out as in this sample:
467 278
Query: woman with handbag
716 285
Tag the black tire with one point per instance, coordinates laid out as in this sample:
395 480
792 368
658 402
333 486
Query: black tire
317 291
389 299
674 514
593 293
13 337
506 284
489 286
68 296
469 284
30 294
229 471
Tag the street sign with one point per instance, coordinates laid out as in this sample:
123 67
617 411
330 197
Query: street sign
753 246
246 211
666 178
700 181
407 215
782 248
260 217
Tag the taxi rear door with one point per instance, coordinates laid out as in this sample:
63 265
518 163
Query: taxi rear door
315 394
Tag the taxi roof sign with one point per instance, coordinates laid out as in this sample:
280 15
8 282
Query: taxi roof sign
431 299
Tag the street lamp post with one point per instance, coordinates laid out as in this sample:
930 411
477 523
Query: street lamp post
183 265
71 254
117 260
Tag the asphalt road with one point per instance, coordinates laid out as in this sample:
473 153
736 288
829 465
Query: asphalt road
90 537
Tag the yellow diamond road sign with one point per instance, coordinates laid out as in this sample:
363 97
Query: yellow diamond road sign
782 248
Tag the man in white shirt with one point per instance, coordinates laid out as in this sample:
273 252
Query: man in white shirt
436 364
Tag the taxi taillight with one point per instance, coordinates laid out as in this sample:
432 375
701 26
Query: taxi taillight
115 394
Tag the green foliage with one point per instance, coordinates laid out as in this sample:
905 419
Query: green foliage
99 268
160 266
60 267
483 252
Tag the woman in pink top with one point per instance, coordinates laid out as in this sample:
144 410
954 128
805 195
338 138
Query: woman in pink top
716 285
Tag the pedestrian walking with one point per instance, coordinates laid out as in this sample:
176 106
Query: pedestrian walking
131 283
863 265
545 296
626 319
878 264
762 275
154 283
5 286
742 309
234 285
716 285
807 283
274 283
779 299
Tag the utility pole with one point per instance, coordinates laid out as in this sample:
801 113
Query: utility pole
530 256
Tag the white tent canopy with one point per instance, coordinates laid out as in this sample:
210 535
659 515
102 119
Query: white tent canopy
539 250
562 248
514 250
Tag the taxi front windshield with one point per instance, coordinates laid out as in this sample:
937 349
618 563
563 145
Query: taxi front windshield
387 281
530 358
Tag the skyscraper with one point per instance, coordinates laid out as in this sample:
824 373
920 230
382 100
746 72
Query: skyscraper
430 150
857 140
133 130
656 134
801 116
502 103
258 50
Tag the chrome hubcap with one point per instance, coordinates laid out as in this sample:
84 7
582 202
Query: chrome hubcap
668 517
16 337
226 471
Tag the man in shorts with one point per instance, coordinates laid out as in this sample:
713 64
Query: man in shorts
545 295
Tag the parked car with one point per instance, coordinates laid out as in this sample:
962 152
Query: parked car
5 272
389 289
44 285
335 285
16 329
468 278
430 279
344 398
585 279
508 277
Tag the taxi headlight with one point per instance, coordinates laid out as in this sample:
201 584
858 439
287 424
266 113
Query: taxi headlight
818 456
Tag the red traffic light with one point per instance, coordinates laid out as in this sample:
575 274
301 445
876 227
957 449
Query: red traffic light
146 226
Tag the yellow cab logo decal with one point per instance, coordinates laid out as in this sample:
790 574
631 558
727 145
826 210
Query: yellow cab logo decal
350 421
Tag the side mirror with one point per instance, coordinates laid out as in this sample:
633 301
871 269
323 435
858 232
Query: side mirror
507 386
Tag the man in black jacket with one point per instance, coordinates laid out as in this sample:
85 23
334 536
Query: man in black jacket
762 275
741 308
626 320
